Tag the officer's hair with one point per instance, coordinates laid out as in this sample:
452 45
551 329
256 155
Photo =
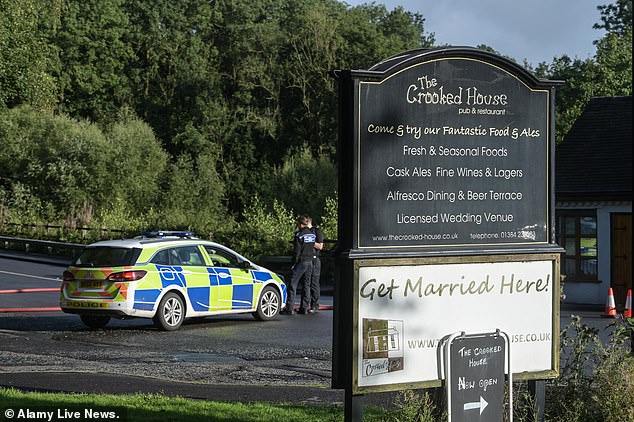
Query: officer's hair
303 219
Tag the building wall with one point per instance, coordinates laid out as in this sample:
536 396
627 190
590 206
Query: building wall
595 293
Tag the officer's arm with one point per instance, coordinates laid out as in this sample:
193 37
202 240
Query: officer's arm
297 249
319 242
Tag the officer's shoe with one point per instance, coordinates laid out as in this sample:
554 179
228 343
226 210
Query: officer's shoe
302 311
287 311
313 310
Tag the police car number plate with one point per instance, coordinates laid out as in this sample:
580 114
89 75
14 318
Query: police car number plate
91 284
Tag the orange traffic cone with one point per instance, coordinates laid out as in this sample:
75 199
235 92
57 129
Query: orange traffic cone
627 312
610 306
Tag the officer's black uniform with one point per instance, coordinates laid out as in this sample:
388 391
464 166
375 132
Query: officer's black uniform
316 272
304 253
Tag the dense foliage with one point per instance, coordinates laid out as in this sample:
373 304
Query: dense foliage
142 115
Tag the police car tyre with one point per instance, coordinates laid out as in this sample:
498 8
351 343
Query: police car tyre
95 321
170 313
269 304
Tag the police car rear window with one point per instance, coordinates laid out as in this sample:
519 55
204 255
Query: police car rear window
105 256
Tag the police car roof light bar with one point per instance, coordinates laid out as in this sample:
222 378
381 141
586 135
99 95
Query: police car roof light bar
162 233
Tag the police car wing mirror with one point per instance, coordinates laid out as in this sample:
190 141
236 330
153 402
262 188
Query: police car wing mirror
244 265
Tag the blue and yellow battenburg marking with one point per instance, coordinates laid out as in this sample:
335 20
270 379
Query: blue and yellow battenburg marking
215 289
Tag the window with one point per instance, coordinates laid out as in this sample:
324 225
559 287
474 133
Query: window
222 258
161 257
577 233
105 256
188 255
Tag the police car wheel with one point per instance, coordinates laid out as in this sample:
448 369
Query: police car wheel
95 321
170 313
269 305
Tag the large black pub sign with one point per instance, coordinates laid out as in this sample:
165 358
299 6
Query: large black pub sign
450 148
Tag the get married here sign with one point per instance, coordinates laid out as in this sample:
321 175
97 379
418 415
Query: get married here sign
405 307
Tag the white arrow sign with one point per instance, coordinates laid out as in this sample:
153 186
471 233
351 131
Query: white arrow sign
476 405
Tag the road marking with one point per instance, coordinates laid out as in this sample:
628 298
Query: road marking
29 275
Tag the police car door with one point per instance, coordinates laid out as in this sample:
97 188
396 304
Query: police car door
232 286
194 272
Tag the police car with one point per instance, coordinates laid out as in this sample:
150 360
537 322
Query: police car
167 276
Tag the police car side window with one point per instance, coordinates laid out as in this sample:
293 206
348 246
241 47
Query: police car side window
190 255
175 258
161 257
167 257
221 258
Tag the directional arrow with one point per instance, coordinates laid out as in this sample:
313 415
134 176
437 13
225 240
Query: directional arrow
482 404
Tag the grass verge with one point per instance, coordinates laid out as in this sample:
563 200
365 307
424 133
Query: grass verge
154 407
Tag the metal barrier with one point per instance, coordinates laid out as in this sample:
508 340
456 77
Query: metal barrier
32 290
42 248
48 229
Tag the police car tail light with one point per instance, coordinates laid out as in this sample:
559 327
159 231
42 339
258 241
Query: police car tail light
127 276
68 276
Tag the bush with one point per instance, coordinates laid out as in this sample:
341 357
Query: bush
60 161
262 232
412 406
329 219
597 380
303 183
56 169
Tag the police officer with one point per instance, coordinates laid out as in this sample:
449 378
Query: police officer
316 272
304 253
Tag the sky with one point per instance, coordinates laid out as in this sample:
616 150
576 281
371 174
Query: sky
535 30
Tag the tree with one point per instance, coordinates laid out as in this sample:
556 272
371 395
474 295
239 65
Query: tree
370 33
53 167
174 72
26 58
238 93
302 183
60 161
616 18
614 64
614 50
93 57
609 73
136 165
195 189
